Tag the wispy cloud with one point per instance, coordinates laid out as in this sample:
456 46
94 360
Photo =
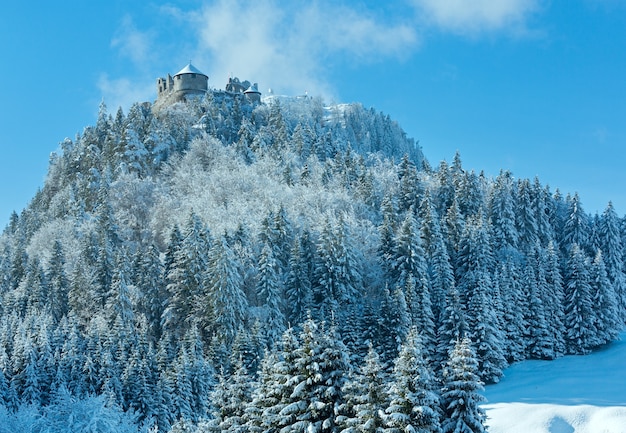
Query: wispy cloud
132 43
292 47
123 92
477 16
287 48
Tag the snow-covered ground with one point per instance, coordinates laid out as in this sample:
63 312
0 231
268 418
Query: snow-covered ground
573 394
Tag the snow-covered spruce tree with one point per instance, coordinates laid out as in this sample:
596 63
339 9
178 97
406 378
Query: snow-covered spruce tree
576 229
273 390
299 294
579 315
229 399
453 327
321 365
539 339
409 271
613 254
509 282
555 314
483 329
364 397
394 324
460 395
504 233
150 283
608 320
223 298
185 278
440 273
526 222
269 290
337 276
414 404
475 262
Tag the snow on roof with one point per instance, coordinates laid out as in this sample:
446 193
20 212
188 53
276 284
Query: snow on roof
189 69
253 89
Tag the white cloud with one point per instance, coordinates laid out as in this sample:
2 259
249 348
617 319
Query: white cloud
123 92
131 42
477 16
288 48
291 47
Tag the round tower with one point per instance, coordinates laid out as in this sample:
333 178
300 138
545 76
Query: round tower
253 94
190 81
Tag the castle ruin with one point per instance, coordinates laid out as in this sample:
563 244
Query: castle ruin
190 82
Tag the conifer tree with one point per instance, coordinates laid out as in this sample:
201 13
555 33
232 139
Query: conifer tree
483 329
229 398
299 294
540 344
224 300
59 284
576 228
579 316
270 293
413 400
502 215
608 320
460 395
365 397
321 365
394 324
526 221
274 389
337 270
509 281
612 248
441 275
453 327
409 269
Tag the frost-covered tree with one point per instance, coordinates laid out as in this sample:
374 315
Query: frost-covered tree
409 270
579 314
321 367
364 397
298 285
460 395
508 279
576 229
229 399
274 388
223 297
613 255
539 338
270 293
526 221
608 320
453 327
337 269
413 399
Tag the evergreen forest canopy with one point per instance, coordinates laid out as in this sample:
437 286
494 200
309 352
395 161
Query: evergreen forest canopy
221 266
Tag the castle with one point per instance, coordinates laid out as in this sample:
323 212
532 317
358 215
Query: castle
190 82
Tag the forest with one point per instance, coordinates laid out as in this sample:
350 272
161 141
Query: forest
289 266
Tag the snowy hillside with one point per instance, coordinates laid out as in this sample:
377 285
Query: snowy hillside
220 265
582 394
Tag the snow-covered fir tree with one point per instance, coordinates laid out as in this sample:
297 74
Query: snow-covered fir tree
460 395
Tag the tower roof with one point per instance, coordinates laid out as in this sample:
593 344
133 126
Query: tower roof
253 89
190 69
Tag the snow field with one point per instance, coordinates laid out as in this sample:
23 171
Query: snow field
573 394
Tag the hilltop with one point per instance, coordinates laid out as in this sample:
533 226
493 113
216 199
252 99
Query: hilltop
179 260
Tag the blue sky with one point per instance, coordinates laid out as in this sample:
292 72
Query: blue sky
536 87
